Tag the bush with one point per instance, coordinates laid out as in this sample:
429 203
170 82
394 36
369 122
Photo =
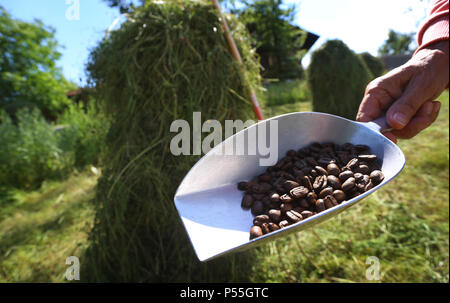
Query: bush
337 78
30 150
375 65
83 133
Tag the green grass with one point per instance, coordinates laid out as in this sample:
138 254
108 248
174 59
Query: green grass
40 229
405 225
286 92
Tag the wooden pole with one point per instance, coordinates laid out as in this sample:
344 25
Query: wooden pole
234 50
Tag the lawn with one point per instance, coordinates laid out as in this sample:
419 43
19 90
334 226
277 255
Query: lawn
405 225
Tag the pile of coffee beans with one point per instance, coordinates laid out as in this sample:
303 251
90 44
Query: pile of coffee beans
308 181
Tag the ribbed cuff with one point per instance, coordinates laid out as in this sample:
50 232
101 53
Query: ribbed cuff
436 30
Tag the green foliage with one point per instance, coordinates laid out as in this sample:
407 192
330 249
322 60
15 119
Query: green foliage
397 44
286 92
28 74
375 65
337 78
83 133
277 40
165 62
29 152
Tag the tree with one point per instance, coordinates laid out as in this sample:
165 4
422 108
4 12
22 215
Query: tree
28 73
275 36
375 65
397 44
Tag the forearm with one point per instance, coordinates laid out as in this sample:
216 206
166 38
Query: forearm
436 26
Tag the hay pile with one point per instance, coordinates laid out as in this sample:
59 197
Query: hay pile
167 61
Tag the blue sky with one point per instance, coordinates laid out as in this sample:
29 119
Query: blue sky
362 24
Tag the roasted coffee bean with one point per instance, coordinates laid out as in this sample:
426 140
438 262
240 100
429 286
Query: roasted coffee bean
330 201
345 175
358 177
306 214
291 153
273 226
311 198
275 215
294 216
265 228
352 164
257 208
303 203
247 201
265 178
311 161
284 207
333 169
334 182
325 192
258 220
289 184
275 197
320 206
299 192
319 183
321 170
349 184
255 232
286 199
283 224
339 195
376 176
369 185
242 185
367 158
363 169
307 183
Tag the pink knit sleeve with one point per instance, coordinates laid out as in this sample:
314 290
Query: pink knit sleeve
436 26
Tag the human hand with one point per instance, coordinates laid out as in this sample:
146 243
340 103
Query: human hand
407 93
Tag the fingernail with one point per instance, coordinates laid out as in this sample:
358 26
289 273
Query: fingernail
400 118
429 107
437 107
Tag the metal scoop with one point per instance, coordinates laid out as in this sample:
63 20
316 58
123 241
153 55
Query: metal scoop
209 202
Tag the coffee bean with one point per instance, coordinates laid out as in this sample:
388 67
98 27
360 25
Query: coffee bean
273 226
265 228
283 223
319 183
289 184
367 158
286 198
258 220
242 185
291 153
321 170
303 203
333 169
349 184
330 201
311 198
369 185
257 208
247 201
299 192
294 216
326 191
284 207
352 164
376 176
334 182
320 206
345 175
275 197
275 215
255 232
363 169
265 178
339 195
306 214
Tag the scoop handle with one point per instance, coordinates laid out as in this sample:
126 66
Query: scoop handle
380 124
